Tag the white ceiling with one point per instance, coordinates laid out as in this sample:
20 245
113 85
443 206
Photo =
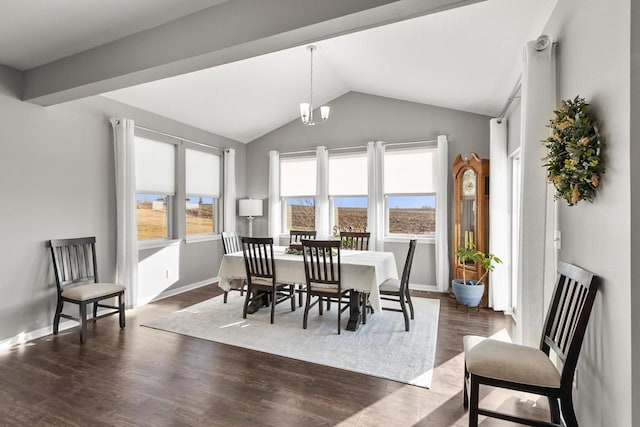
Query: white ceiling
35 32
466 58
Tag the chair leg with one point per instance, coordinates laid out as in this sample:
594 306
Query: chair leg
554 408
566 405
363 297
56 318
473 402
410 303
292 292
320 302
339 312
246 302
465 394
83 323
274 296
300 292
306 311
403 306
328 304
121 314
95 311
226 294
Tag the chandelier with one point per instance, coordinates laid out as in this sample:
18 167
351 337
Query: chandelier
306 109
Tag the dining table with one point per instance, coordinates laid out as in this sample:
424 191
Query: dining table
361 271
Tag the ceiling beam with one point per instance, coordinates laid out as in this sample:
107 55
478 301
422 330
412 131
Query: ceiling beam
228 32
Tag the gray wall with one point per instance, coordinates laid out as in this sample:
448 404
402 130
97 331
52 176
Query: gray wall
357 118
593 62
635 206
57 180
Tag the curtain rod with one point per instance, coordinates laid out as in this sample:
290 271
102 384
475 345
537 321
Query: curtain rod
512 97
355 147
431 141
178 138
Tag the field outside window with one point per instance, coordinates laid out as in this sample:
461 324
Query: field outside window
411 214
349 213
299 213
153 216
200 215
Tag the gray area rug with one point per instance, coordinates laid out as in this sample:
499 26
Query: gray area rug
381 348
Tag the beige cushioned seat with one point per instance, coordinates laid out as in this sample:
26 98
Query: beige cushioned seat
91 290
260 281
392 285
509 362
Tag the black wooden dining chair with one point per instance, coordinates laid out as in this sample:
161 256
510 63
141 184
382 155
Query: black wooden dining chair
230 244
398 290
323 273
260 268
355 240
76 270
528 369
295 238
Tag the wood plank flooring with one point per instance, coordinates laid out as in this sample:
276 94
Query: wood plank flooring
145 377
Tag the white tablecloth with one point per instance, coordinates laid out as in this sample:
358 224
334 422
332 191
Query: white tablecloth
361 270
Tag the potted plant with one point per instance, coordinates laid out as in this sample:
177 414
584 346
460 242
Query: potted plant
469 292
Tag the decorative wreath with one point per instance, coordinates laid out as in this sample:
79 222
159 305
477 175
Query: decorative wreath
573 161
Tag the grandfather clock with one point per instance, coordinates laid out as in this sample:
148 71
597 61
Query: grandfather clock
471 214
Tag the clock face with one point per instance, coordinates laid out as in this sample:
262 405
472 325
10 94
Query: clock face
469 183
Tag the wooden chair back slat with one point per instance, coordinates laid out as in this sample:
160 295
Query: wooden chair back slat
231 242
74 261
568 316
296 236
354 240
258 257
406 272
321 266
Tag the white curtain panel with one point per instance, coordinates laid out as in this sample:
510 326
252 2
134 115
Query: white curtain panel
229 208
126 219
442 216
322 193
375 211
499 230
538 102
275 211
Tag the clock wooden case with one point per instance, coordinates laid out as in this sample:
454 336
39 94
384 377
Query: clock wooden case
471 214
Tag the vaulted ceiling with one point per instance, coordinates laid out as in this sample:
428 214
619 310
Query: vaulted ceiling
466 58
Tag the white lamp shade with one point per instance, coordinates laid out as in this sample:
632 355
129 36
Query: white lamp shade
250 207
324 112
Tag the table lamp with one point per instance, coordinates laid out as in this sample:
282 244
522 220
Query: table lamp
250 208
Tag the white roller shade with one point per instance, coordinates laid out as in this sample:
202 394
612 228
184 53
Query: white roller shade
202 173
155 166
410 171
348 174
298 177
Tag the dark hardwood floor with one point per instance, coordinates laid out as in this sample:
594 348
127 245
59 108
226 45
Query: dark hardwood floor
146 377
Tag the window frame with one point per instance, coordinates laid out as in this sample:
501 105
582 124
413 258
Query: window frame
284 229
332 217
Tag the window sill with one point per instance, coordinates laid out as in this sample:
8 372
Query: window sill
422 240
202 238
152 244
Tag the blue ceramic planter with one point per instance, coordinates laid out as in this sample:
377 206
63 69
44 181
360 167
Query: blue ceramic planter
469 295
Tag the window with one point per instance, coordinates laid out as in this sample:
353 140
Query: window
348 192
155 188
202 184
410 191
297 192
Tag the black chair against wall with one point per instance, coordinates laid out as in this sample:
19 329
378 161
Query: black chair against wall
76 271
529 369
355 240
296 237
261 274
323 273
398 290
230 244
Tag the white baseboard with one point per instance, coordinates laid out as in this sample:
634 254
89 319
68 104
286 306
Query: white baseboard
192 286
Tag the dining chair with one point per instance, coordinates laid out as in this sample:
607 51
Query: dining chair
323 274
260 268
76 270
355 240
529 369
295 237
230 244
398 290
